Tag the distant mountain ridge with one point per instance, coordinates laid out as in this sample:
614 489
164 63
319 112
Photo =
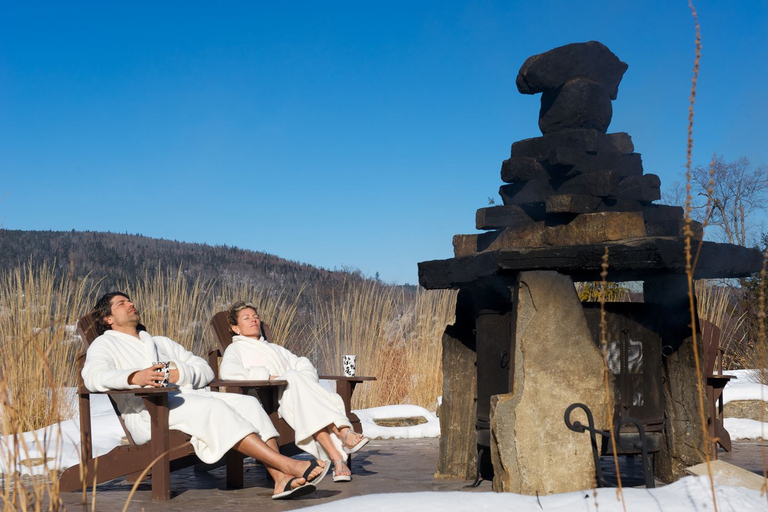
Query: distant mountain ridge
119 258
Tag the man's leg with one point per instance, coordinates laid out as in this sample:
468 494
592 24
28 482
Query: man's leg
279 466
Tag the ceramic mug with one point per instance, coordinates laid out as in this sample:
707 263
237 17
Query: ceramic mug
165 369
349 363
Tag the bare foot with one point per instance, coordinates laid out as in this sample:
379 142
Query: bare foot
283 479
350 438
301 466
341 472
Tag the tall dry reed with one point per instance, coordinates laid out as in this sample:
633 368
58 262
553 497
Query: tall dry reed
37 347
718 303
396 339
174 304
37 343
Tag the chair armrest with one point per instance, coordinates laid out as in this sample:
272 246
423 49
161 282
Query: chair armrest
247 384
267 390
356 379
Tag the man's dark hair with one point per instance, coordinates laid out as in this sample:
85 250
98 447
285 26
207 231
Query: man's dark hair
104 308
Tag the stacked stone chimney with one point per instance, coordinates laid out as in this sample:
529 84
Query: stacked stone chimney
576 184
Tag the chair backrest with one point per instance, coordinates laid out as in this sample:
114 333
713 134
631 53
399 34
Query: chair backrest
710 340
86 327
220 328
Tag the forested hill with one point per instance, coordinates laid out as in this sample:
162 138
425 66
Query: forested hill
120 258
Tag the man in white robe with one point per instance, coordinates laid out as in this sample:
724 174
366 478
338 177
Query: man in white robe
122 358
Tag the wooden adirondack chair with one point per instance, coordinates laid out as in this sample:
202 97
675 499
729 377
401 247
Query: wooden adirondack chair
716 382
345 386
169 449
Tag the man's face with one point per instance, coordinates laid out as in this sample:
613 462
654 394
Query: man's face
123 313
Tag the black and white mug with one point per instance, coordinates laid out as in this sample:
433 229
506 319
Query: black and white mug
350 365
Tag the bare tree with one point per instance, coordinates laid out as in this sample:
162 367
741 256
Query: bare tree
736 192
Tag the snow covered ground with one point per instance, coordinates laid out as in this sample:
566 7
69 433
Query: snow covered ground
688 494
745 387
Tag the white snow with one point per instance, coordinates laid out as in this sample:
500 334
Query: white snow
687 494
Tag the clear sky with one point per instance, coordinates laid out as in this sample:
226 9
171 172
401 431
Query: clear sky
360 134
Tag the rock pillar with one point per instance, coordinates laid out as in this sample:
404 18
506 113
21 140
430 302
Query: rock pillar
458 440
556 364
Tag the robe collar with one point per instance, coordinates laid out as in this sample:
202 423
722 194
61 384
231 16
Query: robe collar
145 340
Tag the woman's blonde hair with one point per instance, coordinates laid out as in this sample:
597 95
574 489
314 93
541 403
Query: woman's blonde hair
235 310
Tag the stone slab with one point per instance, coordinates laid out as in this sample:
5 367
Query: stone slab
579 103
590 141
536 191
724 473
640 188
530 235
622 142
496 217
630 260
580 161
522 168
572 203
600 183
595 228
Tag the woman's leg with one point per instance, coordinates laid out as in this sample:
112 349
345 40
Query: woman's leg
340 469
349 437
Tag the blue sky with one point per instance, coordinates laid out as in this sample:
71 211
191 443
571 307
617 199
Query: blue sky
359 134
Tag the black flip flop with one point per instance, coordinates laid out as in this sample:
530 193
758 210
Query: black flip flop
302 490
318 478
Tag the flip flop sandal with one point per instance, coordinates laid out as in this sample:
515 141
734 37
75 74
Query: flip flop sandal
354 448
288 493
339 477
318 478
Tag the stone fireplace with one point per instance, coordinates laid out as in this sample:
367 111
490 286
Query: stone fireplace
524 347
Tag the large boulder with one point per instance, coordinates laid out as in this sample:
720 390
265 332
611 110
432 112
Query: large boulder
550 70
533 451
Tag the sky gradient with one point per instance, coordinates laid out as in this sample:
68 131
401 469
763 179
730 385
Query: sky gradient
347 134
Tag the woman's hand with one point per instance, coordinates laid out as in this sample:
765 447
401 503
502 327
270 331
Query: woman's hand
149 376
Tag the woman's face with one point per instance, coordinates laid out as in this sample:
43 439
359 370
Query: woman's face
248 323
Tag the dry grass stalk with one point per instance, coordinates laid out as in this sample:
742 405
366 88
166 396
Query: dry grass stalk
391 336
762 368
606 374
690 259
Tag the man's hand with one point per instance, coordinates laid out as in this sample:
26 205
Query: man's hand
150 376
173 376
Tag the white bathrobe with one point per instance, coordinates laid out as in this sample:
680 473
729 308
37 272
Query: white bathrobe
304 404
216 421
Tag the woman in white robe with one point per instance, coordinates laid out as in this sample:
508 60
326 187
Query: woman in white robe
315 414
